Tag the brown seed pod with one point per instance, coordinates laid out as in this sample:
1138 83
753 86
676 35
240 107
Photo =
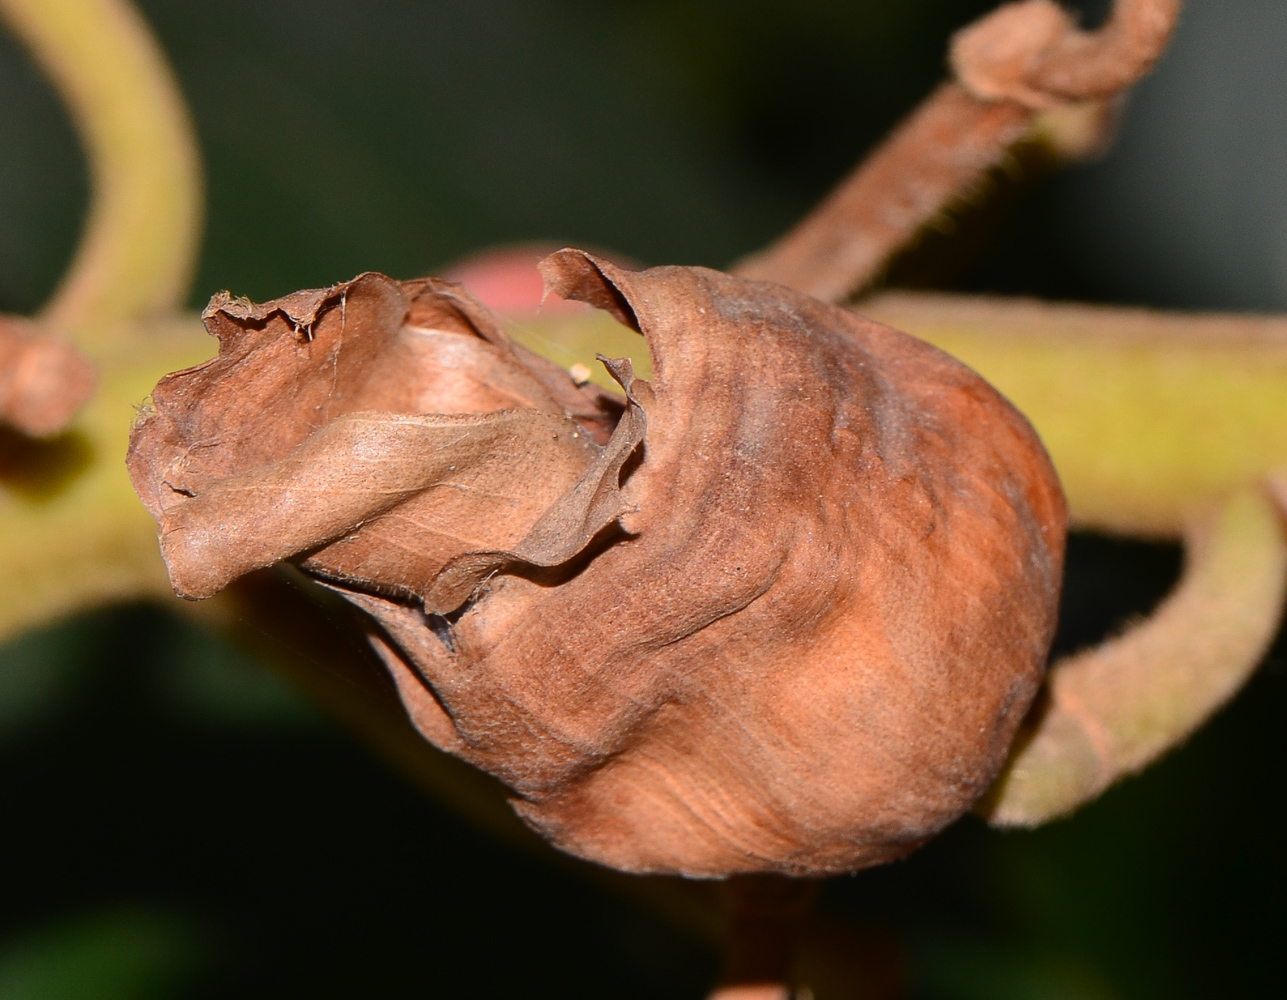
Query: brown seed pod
787 617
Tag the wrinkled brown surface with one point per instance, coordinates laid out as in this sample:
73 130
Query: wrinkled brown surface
44 381
786 619
375 430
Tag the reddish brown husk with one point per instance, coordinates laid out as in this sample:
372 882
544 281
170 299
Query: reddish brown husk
787 618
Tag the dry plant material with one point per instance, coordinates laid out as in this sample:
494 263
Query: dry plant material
782 609
1022 59
382 427
44 380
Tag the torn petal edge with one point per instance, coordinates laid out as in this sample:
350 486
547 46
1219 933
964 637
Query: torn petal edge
572 522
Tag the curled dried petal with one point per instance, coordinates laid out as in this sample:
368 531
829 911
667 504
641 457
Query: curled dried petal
382 424
416 485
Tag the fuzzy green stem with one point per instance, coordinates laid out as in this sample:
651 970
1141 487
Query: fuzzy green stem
74 534
1114 709
139 246
1149 416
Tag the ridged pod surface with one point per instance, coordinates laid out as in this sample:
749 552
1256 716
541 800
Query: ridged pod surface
781 609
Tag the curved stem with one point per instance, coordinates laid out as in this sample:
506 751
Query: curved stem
1102 63
1114 709
1033 53
944 148
765 915
139 246
942 153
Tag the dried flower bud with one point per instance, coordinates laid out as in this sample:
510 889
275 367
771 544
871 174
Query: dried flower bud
43 380
786 617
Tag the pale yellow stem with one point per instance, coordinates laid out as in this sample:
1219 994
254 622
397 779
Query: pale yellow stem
1114 709
139 246
73 535
1147 415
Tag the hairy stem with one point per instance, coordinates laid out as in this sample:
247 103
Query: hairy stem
1147 415
1018 61
1116 708
1104 62
944 148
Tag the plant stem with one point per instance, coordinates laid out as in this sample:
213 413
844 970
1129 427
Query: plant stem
1114 709
1149 416
140 242
941 151
765 916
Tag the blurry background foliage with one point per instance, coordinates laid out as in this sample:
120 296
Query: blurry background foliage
177 823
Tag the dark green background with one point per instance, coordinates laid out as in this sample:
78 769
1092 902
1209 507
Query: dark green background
177 823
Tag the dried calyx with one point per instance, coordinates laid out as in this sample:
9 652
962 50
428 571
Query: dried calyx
782 609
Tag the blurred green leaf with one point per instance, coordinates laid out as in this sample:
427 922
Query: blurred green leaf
210 681
37 671
121 955
960 971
